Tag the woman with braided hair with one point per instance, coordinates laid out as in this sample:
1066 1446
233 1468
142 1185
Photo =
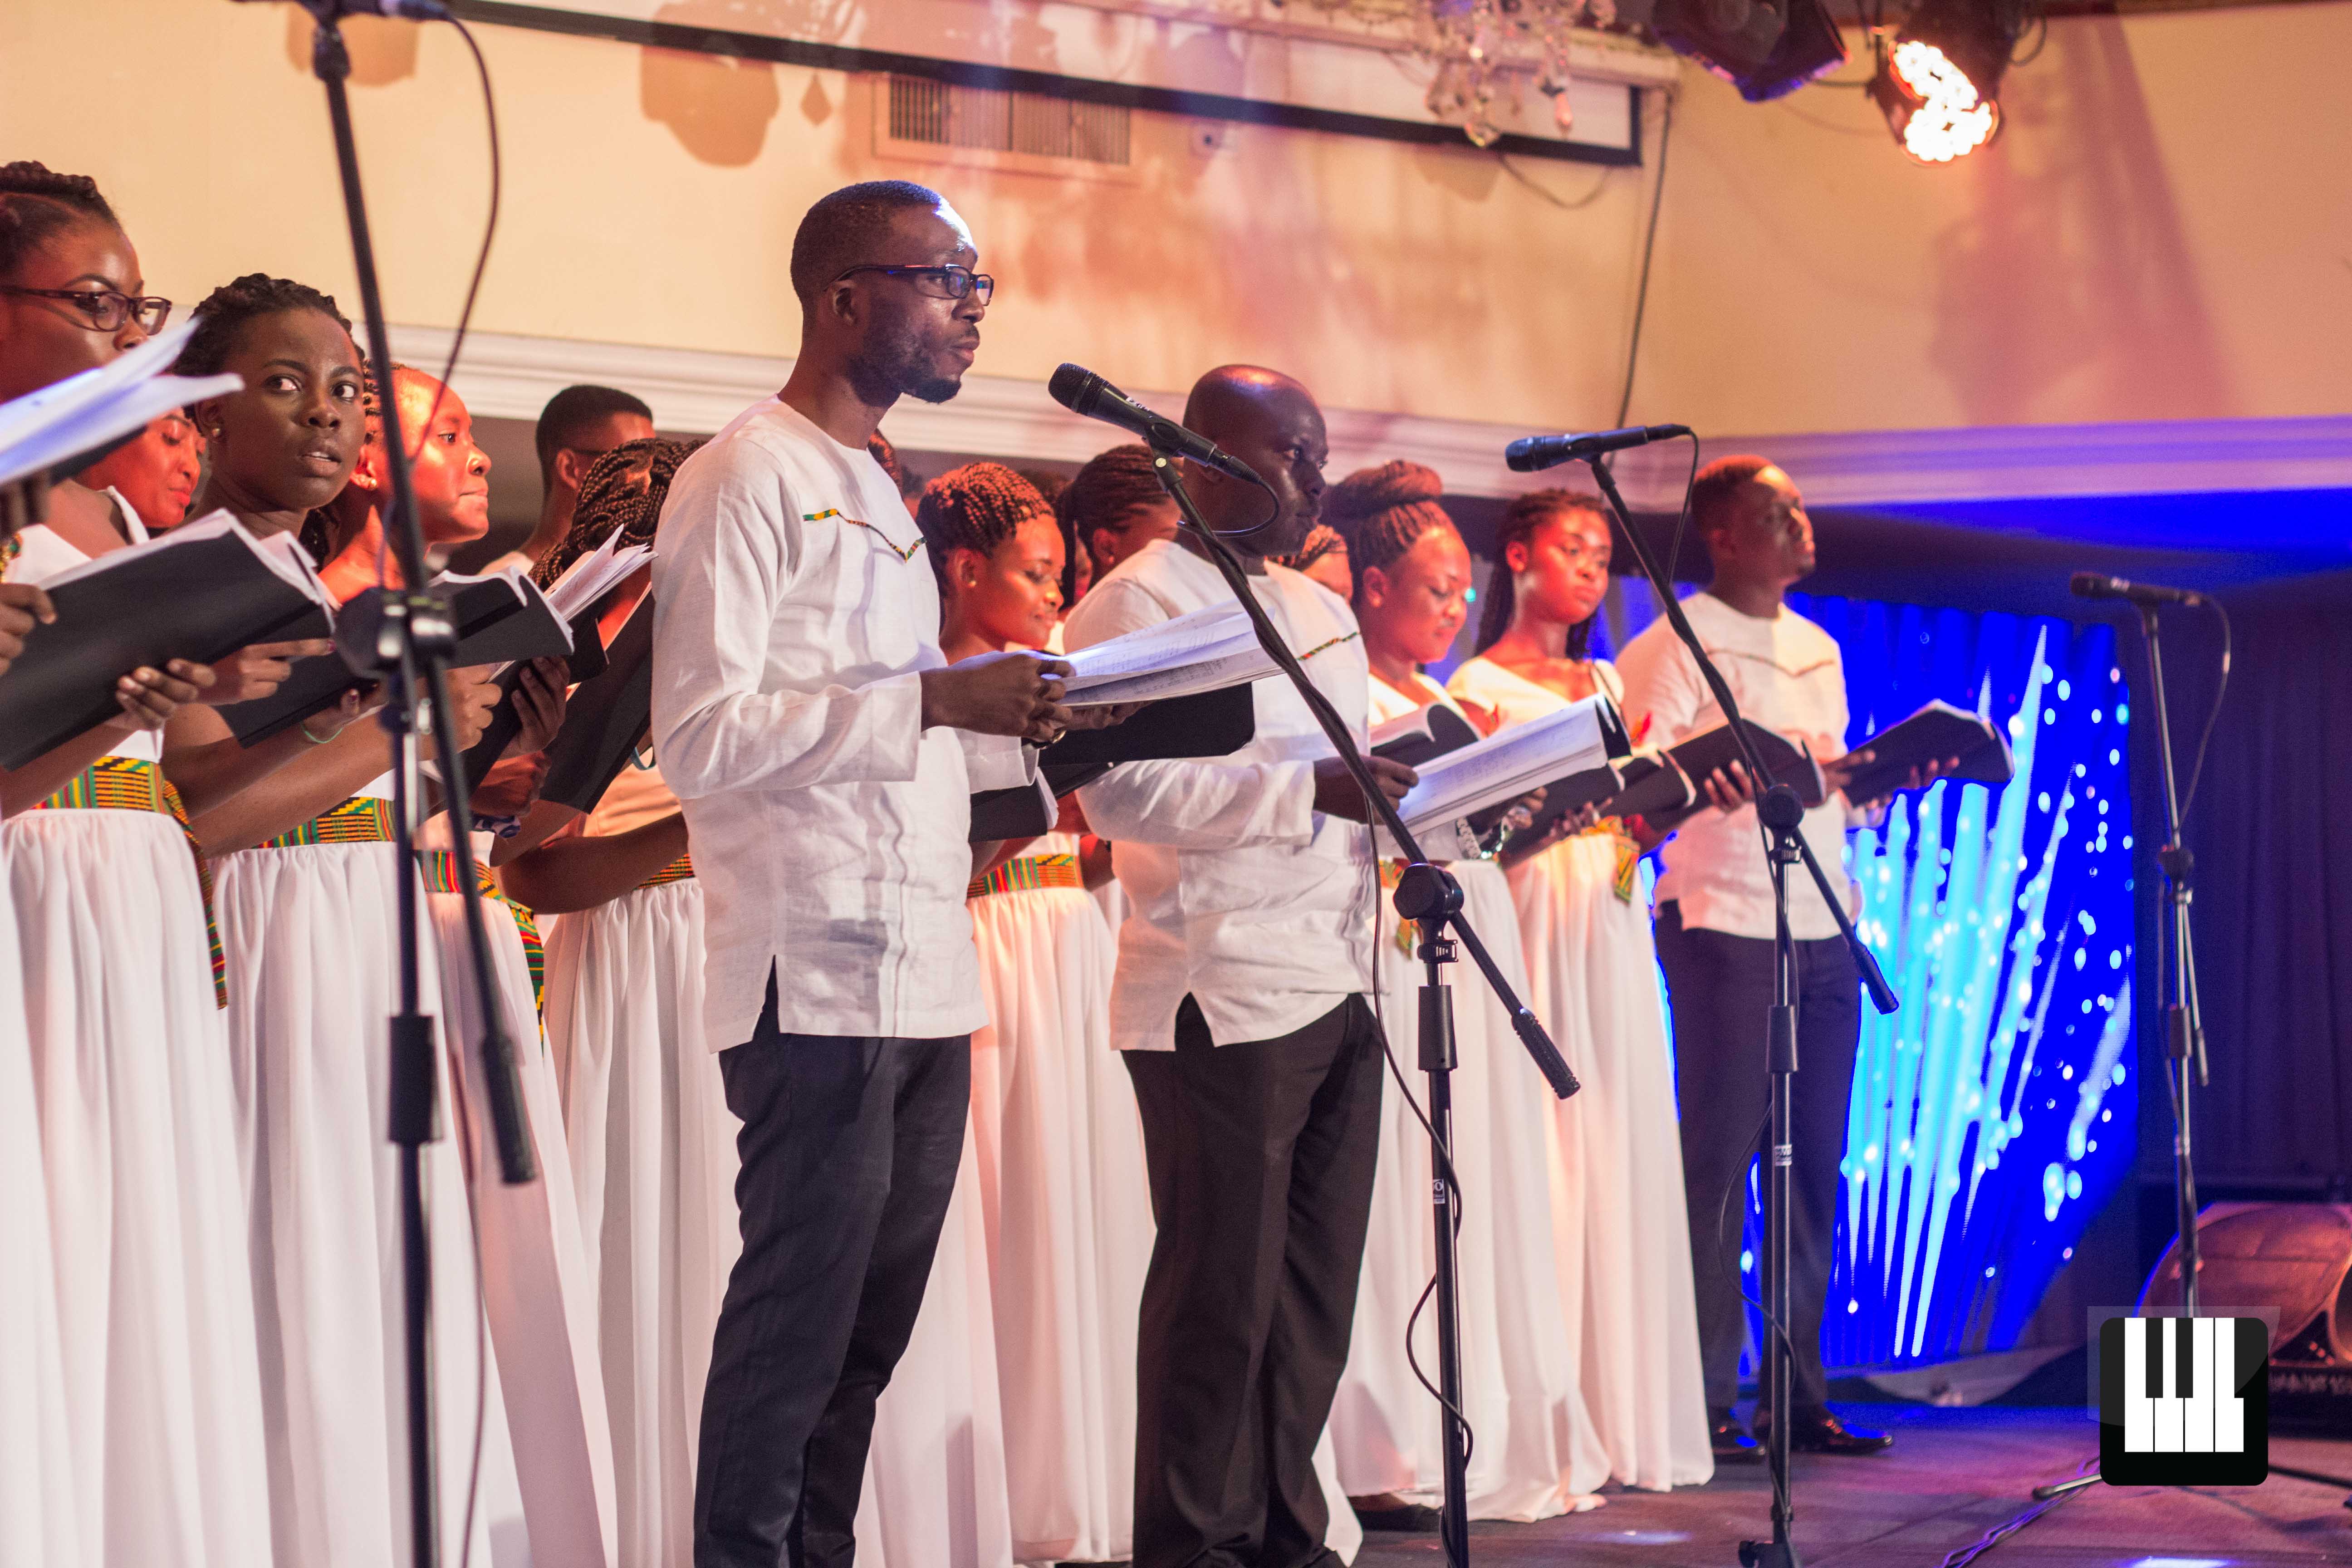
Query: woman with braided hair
1056 1137
1114 506
1537 1454
1595 985
307 887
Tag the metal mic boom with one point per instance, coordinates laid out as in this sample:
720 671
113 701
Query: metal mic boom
1089 396
336 10
1530 453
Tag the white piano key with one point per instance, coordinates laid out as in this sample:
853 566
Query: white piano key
2139 1403
2229 1410
2196 1421
2169 1401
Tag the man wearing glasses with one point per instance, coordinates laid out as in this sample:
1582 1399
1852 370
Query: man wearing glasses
825 756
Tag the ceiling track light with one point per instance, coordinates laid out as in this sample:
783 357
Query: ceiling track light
1938 76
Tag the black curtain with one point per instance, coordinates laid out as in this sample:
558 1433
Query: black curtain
2270 830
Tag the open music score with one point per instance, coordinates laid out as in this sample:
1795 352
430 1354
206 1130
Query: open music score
2184 1401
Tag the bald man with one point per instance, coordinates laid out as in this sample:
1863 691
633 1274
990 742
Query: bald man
1240 1009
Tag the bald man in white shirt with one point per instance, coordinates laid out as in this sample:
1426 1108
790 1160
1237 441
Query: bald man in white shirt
824 755
1239 1006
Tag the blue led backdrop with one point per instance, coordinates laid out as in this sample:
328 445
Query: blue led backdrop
1993 1114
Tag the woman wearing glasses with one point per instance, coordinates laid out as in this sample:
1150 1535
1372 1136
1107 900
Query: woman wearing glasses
161 1455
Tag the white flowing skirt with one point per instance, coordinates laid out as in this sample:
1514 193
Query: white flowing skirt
1535 1446
1068 1215
311 937
147 1221
1624 1245
537 1291
38 1521
653 1164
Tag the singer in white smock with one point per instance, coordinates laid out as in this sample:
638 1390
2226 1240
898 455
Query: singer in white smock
1593 971
1537 1454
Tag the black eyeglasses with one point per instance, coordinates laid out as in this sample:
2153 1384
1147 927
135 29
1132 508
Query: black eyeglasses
954 282
108 310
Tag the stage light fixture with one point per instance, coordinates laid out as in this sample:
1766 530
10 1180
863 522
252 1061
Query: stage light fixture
1938 77
1763 47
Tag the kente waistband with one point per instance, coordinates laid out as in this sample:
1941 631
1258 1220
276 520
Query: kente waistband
1027 872
134 784
679 870
438 869
362 819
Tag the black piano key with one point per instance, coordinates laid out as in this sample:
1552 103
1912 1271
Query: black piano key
2182 1361
2155 1356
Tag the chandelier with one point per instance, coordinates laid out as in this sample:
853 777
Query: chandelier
1473 45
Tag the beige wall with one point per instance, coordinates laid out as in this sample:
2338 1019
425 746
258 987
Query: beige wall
2163 231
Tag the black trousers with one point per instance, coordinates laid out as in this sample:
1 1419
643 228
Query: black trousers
850 1147
1261 1160
1720 988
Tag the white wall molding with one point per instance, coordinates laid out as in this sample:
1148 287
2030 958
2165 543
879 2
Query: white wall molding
511 377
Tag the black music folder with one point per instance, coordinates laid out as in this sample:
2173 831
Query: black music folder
606 717
1939 732
1667 795
199 593
1205 724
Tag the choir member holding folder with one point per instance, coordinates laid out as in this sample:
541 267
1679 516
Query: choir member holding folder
306 884
1715 924
1537 1454
1594 985
1239 1006
160 1453
802 712
1059 1150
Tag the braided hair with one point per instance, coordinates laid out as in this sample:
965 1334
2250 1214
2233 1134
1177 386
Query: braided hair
1111 485
621 493
977 507
1320 541
1520 520
1383 512
35 202
227 309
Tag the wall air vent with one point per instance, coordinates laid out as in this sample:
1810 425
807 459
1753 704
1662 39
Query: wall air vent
919 118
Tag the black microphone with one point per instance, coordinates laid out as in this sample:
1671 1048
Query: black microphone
336 10
2096 585
1530 453
1084 393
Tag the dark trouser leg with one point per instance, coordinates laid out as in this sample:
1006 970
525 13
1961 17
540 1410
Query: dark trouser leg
1718 990
1244 1143
829 1244
1306 1350
1828 1029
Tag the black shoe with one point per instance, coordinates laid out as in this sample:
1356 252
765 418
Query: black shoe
1730 1440
1819 1432
1412 1518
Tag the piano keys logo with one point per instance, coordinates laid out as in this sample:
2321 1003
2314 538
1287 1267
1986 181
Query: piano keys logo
2184 1402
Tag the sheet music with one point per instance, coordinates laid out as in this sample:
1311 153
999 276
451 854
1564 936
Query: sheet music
1203 651
595 575
1508 765
281 554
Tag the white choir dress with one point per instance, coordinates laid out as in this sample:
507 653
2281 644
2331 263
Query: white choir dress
653 1166
138 1135
1066 1204
1618 1150
1535 1453
536 1291
309 926
38 1521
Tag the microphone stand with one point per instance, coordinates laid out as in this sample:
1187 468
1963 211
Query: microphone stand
1782 815
2184 1022
1429 895
408 640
